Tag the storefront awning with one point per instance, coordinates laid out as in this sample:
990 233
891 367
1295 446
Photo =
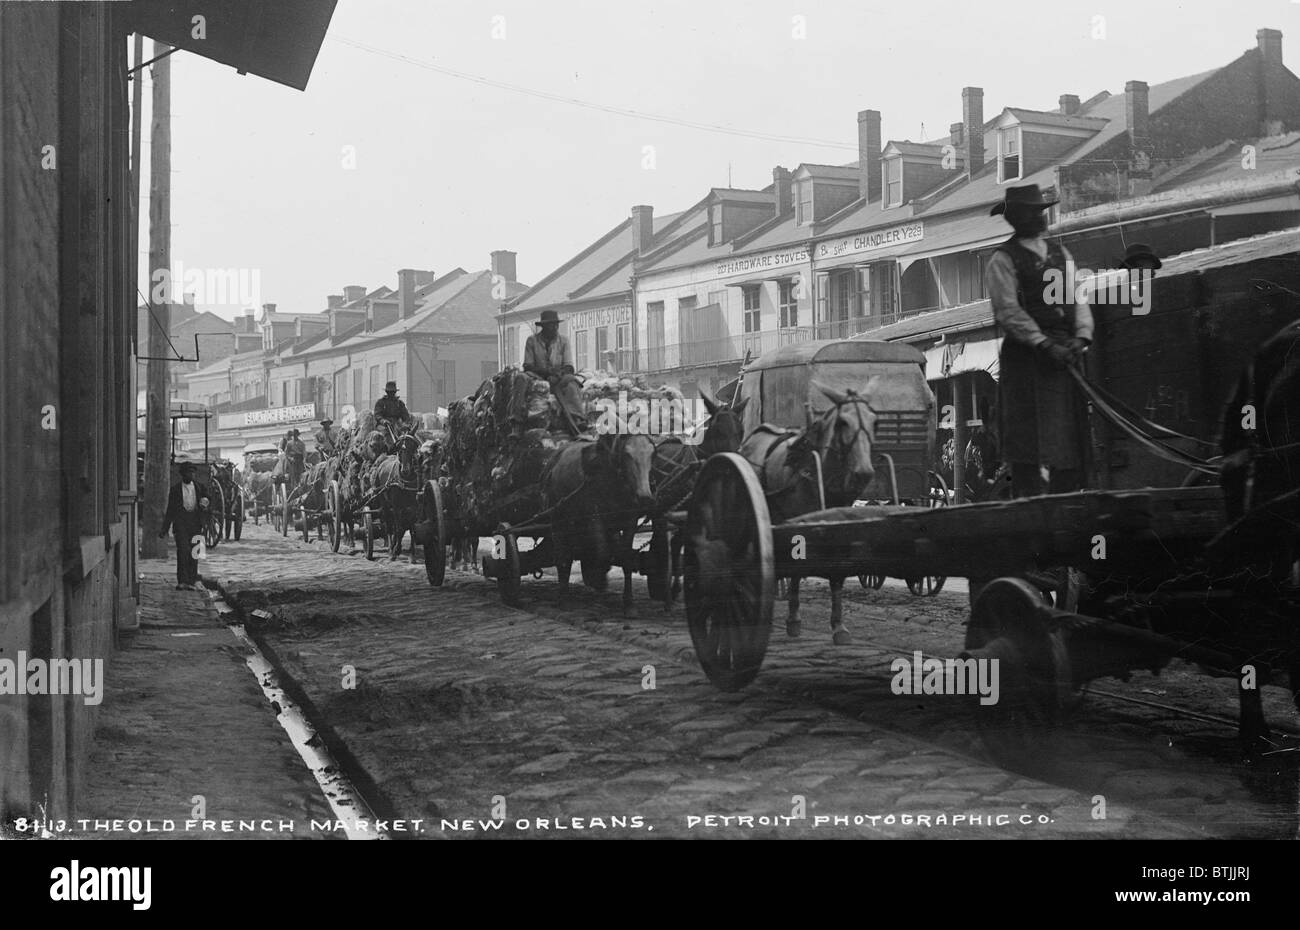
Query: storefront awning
1285 204
957 357
276 40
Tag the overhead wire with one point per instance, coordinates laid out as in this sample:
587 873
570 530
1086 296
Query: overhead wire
578 102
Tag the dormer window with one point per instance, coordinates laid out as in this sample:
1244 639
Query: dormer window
804 205
893 182
715 224
1009 154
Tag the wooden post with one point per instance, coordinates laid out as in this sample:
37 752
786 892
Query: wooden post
958 442
157 474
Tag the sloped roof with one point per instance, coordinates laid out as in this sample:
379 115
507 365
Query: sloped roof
984 189
602 260
470 311
1272 153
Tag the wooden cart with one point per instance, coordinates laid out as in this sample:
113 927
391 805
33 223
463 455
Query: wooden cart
1065 588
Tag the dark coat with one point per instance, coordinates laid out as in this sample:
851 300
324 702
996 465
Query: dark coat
185 523
1041 416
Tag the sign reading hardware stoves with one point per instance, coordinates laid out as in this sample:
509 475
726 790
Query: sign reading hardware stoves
766 261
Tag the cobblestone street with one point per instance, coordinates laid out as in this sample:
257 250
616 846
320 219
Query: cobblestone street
459 701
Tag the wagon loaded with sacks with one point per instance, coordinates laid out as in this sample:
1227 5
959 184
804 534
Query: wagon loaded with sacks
576 497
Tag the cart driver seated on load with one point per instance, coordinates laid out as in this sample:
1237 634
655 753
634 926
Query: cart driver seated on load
394 419
547 358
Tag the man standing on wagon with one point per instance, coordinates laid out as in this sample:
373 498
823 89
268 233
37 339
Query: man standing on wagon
1046 330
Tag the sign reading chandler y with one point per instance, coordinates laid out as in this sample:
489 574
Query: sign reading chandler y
870 241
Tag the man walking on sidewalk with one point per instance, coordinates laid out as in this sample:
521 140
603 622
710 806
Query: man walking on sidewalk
186 503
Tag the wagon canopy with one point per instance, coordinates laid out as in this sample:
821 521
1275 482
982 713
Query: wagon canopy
890 374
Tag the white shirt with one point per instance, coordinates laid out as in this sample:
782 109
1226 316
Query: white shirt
189 500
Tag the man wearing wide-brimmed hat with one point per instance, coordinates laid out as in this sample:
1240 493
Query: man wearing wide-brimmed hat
546 356
327 438
1046 330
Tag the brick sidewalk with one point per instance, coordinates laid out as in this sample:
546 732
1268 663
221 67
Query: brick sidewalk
183 716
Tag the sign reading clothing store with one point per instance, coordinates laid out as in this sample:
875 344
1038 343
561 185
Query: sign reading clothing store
598 318
870 241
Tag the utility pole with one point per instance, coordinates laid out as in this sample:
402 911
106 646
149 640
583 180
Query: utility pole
157 466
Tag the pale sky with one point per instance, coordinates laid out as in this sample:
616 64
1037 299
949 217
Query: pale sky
446 169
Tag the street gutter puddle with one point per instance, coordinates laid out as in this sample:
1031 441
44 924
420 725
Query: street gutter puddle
350 809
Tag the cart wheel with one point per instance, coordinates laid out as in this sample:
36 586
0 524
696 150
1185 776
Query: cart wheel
930 585
1011 623
370 536
216 516
874 582
435 544
302 510
333 515
659 574
728 571
508 571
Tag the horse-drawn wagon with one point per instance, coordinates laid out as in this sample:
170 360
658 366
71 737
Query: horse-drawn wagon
781 388
576 498
260 459
1065 588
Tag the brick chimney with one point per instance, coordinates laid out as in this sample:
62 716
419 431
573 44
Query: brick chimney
972 114
268 308
957 135
869 154
781 190
1274 85
1069 104
643 228
334 301
1270 44
425 278
1137 116
406 293
503 264
353 292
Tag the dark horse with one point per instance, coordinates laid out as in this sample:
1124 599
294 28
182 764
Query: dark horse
393 480
673 469
597 490
787 469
